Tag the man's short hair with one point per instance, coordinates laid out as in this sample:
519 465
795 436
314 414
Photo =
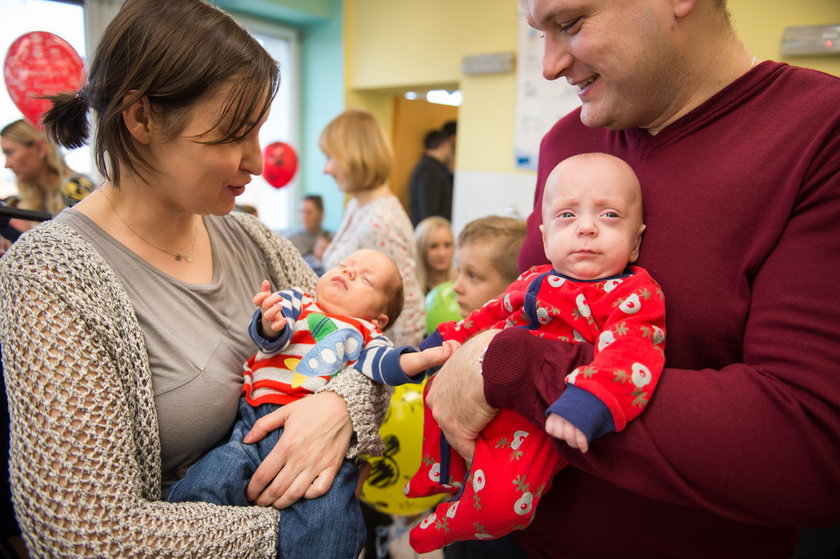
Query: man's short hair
317 200
434 138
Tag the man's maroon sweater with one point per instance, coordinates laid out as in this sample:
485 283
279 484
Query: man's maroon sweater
741 442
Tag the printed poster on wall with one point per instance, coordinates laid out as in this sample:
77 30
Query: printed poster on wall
539 102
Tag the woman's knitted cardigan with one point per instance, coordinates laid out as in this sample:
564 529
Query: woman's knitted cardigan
85 450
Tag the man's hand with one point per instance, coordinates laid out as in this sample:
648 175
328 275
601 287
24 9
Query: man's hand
456 396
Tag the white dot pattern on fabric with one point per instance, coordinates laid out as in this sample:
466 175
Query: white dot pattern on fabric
523 505
478 480
605 339
631 305
328 355
641 375
556 281
518 439
583 306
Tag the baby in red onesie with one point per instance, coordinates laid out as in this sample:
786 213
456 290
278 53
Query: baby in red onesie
592 228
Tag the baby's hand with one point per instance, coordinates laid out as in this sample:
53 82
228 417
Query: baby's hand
273 320
560 428
415 362
438 355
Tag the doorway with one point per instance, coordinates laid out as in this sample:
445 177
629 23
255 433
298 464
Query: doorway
412 120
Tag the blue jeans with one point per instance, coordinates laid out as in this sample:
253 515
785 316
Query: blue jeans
330 526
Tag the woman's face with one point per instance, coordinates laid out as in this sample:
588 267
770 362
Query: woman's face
439 253
205 178
333 169
25 161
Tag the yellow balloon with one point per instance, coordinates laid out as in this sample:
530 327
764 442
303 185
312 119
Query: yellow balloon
402 433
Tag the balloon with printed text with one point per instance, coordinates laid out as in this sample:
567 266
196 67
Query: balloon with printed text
39 64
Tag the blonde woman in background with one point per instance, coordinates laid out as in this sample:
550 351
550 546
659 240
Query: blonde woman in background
435 248
45 183
360 159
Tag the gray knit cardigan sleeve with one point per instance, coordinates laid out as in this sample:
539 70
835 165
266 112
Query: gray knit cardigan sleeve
85 450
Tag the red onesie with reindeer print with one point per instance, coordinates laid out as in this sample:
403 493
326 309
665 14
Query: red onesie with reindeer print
623 317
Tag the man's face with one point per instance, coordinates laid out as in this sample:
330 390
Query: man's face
310 215
619 54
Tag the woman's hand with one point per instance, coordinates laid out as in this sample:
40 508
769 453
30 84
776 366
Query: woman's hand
456 396
310 451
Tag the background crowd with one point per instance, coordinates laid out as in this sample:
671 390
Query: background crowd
148 281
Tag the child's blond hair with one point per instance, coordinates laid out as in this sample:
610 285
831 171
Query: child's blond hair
503 236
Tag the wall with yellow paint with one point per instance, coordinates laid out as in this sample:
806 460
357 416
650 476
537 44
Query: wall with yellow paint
761 26
394 46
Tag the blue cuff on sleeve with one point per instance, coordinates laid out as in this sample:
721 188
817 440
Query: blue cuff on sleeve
392 373
432 340
265 345
584 411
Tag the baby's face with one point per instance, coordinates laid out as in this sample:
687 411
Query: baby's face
478 280
592 217
359 286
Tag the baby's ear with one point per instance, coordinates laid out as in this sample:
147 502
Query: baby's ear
634 255
381 321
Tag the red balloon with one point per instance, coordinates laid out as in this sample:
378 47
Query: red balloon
281 164
37 64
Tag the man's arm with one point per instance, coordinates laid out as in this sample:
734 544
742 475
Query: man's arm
756 441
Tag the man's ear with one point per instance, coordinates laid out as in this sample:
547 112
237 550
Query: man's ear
682 8
138 120
381 321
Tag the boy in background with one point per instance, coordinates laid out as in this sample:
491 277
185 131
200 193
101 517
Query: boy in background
486 256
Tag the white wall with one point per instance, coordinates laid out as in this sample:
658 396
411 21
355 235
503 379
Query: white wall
482 194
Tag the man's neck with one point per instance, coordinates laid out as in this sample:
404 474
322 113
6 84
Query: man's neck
712 58
439 154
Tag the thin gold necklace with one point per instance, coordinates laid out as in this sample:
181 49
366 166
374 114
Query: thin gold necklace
178 256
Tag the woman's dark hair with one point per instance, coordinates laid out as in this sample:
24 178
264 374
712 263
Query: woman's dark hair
174 53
